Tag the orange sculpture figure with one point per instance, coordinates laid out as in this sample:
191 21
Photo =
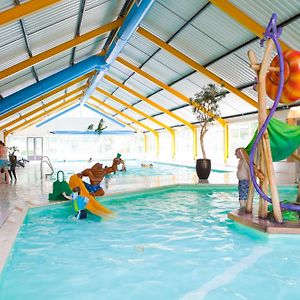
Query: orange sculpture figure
96 175
291 88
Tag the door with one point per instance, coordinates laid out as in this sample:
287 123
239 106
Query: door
34 148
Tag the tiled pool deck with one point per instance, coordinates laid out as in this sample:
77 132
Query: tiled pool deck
31 191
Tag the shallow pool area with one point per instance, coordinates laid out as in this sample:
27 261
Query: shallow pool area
133 168
166 243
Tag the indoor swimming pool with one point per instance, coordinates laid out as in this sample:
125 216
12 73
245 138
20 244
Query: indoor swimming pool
133 168
165 243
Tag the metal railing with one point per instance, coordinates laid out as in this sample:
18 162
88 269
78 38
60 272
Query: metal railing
46 160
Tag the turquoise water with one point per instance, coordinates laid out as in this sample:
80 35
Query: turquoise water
133 169
172 243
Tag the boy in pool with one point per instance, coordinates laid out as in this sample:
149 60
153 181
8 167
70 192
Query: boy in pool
147 166
79 202
123 169
243 175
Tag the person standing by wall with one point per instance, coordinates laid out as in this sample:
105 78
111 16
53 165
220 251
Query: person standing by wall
12 167
4 161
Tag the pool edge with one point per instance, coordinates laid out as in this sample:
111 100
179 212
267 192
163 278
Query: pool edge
9 231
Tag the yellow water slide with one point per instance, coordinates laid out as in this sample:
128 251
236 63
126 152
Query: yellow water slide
93 205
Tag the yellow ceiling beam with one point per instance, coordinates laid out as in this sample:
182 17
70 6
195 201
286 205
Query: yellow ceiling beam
41 98
193 64
24 125
138 111
28 124
58 107
44 106
130 126
6 133
163 86
23 10
243 19
60 48
118 100
104 112
123 115
147 100
131 119
159 107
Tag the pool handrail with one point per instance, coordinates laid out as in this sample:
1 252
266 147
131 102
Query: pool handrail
46 159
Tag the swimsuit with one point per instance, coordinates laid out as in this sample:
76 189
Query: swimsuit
243 189
3 163
92 188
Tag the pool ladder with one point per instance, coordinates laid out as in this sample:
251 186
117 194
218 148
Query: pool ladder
46 160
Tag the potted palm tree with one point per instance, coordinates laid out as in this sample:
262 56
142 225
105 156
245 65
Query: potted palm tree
206 108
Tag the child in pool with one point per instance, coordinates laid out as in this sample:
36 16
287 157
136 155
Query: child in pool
147 166
243 175
107 178
79 203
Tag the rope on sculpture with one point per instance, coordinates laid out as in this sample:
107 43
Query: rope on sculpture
272 32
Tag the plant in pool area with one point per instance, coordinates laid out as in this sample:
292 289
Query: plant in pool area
206 108
12 150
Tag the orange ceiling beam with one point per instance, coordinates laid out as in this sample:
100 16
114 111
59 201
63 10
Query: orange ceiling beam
124 115
243 19
25 9
37 118
193 64
104 112
136 110
42 107
60 48
164 86
159 107
45 96
147 100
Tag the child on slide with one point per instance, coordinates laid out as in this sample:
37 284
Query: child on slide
79 203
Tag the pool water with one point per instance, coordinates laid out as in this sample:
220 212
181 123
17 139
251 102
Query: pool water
171 243
133 169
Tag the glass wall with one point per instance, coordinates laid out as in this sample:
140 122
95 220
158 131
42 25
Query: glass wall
165 143
184 144
240 134
214 144
20 143
151 146
83 147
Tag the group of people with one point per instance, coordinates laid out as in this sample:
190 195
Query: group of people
8 167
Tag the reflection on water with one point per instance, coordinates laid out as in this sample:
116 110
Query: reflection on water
169 244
